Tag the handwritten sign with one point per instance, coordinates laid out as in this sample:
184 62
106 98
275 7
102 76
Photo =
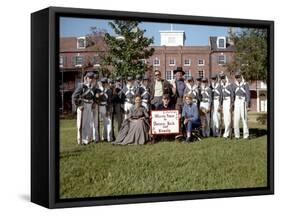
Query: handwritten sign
165 121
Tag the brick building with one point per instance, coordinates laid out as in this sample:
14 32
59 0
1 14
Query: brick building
78 55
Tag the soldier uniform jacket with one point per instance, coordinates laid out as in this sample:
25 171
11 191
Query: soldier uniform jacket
144 92
217 91
227 91
128 94
105 98
206 94
193 91
83 94
116 94
242 90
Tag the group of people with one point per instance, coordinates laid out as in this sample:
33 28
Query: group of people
202 104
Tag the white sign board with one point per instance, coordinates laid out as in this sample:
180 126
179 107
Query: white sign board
165 122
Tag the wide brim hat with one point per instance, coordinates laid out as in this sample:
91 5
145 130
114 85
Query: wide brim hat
179 69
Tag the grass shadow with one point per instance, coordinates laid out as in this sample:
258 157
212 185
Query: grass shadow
257 132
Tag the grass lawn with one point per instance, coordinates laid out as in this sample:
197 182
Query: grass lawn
213 163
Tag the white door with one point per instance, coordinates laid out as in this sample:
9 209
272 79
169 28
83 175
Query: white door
263 103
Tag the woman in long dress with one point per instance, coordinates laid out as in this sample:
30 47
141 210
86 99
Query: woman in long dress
135 129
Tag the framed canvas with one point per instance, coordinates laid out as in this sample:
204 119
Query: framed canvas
96 78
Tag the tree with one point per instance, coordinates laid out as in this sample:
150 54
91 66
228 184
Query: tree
127 49
251 53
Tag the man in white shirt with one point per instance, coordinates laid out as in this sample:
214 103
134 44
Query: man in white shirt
159 87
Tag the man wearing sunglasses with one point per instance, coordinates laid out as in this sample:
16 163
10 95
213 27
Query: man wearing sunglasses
159 87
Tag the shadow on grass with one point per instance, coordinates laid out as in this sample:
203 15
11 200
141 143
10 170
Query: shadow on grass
73 153
256 132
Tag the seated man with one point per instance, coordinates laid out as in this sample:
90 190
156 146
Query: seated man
165 105
190 115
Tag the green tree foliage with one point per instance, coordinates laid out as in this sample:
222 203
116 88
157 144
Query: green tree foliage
127 48
251 56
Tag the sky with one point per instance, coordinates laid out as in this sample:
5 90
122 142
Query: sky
195 34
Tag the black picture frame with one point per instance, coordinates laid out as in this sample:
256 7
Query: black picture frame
44 112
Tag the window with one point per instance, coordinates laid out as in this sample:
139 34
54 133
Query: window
61 61
187 62
201 62
187 74
170 75
201 73
172 62
96 61
81 43
221 42
221 59
78 61
143 61
171 40
156 62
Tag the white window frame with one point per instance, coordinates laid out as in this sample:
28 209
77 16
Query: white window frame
61 61
78 65
173 63
157 60
143 61
218 44
96 65
203 73
81 38
224 60
171 40
187 74
188 63
171 74
202 63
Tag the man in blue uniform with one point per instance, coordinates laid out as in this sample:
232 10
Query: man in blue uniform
205 106
216 105
105 108
127 94
227 104
117 102
84 99
144 92
241 105
192 90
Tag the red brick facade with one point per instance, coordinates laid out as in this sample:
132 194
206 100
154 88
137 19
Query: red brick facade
195 61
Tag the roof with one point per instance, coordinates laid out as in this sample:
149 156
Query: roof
213 45
95 43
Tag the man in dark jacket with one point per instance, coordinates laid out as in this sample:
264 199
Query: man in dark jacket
84 98
158 88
